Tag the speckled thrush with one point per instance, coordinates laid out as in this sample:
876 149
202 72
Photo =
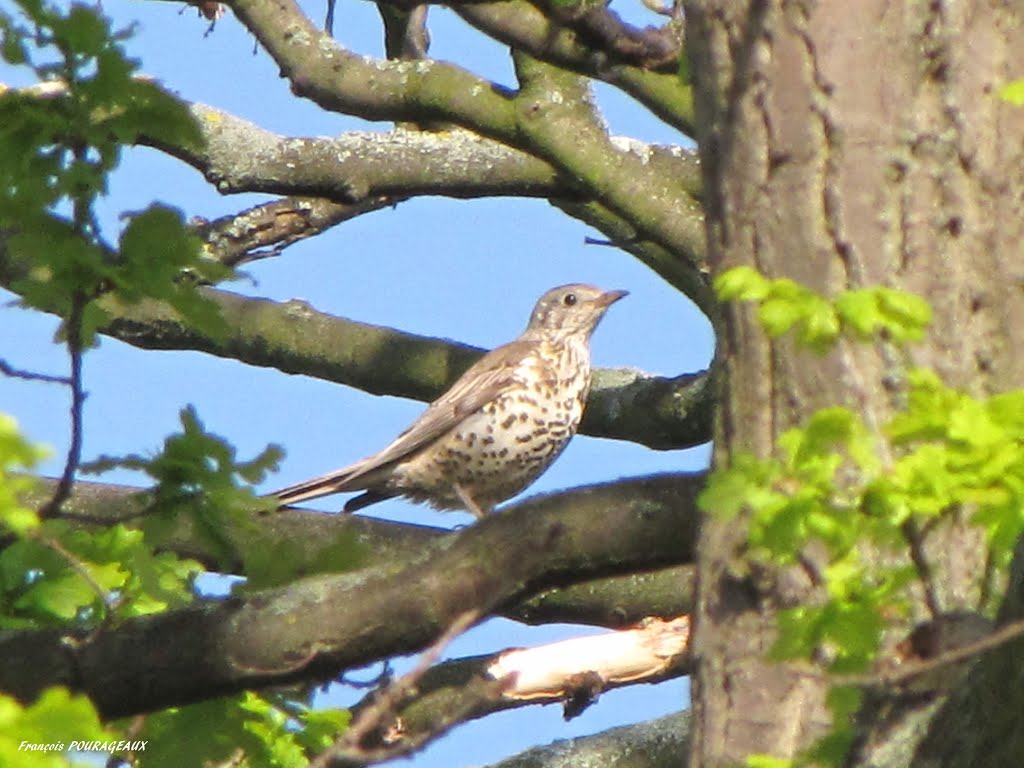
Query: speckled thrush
498 427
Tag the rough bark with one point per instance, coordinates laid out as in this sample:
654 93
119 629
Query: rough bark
661 743
308 537
846 145
300 632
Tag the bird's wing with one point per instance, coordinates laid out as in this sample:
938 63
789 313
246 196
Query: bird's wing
480 384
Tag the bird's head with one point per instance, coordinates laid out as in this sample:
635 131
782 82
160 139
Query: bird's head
571 310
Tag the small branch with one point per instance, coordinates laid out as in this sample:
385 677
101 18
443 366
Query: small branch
109 602
351 748
656 48
17 373
73 329
912 670
915 544
264 231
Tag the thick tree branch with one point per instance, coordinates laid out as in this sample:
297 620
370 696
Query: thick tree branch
462 690
295 338
378 169
522 26
239 156
376 89
612 601
315 628
661 743
559 122
550 118
364 172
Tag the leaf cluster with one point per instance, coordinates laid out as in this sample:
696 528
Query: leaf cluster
252 730
58 154
199 479
947 453
55 718
817 321
951 454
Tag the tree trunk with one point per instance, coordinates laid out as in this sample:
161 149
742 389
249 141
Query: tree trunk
847 145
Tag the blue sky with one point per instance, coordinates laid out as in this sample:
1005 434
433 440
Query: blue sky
466 270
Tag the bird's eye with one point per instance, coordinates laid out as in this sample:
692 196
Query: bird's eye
569 299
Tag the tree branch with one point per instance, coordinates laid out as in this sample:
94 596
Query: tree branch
315 628
239 156
612 601
559 122
265 230
521 26
295 338
375 89
369 171
602 29
543 120
462 690
661 743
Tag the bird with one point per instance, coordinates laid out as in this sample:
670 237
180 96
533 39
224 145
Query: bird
496 429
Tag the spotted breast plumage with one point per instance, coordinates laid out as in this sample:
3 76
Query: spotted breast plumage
499 426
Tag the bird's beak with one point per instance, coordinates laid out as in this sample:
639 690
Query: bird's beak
610 297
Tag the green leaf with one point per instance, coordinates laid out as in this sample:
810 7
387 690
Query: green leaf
832 749
904 315
83 32
973 424
1007 409
16 453
728 491
12 46
767 761
56 717
867 311
799 634
858 310
1013 93
322 727
741 284
158 115
155 246
248 726
820 326
778 315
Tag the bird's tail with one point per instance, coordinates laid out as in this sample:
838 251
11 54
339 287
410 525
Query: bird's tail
325 485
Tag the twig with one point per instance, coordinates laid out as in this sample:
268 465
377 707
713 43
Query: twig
988 643
17 373
349 746
109 603
74 456
376 681
914 540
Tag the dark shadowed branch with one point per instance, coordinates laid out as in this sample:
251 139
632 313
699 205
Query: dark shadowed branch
308 537
301 632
